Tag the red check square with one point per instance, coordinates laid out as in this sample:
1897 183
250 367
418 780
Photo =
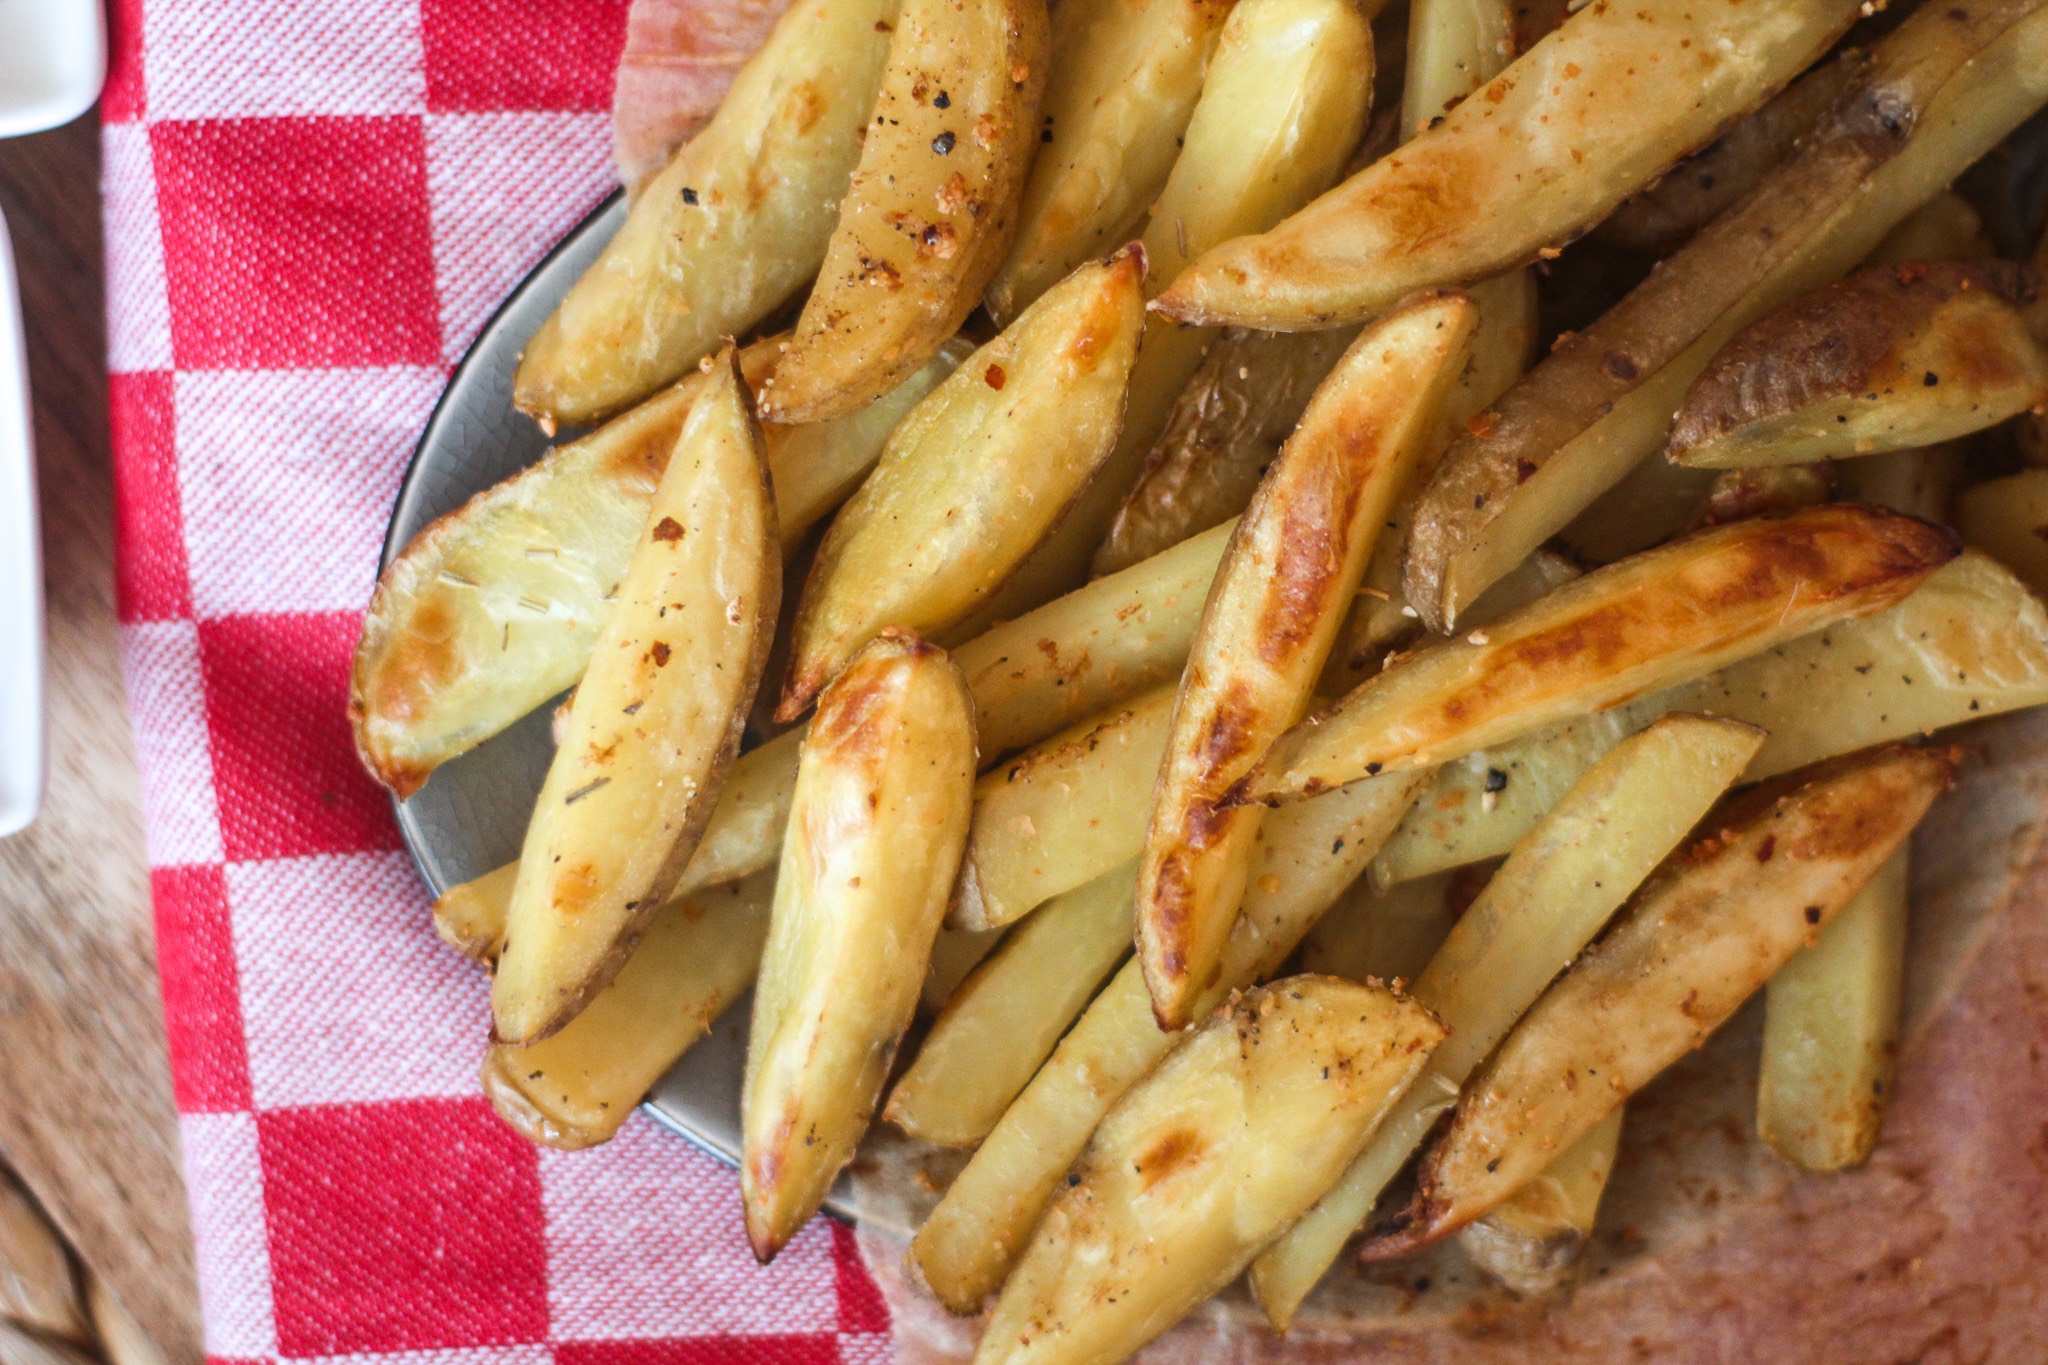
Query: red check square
497 55
202 997
734 1350
151 579
284 764
292 243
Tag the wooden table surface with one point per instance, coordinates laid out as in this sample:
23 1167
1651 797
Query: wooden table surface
85 1099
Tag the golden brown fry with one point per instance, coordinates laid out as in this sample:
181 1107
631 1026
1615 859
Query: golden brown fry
1474 195
1890 358
1831 1031
1008 1016
1283 589
655 723
2005 518
928 216
574 1089
1648 622
495 607
975 475
1203 1162
1454 47
1123 84
1062 813
733 226
1945 228
1532 1242
1770 490
1695 943
1972 642
1308 854
1938 93
876 829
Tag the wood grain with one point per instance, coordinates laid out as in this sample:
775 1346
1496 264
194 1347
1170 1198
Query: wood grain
86 1116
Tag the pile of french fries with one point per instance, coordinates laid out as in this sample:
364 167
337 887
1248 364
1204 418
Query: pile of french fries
1294 760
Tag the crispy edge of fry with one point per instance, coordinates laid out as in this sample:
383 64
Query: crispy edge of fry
581 883
1696 942
877 825
1279 597
1646 623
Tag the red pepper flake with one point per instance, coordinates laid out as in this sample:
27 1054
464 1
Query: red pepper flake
995 376
659 654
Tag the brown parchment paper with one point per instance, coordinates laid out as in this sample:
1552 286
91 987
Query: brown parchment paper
1711 1250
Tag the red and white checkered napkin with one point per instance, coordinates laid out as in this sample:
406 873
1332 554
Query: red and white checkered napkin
310 208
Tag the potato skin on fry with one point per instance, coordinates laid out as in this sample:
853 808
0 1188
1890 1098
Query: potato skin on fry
1647 622
875 834
932 205
1282 592
975 476
733 226
1895 356
655 723
1205 1161
1480 193
1697 941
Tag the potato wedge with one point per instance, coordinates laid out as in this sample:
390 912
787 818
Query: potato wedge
1648 622
1831 1031
1473 196
1531 1243
1285 100
1696 942
1226 427
470 916
495 608
574 1089
880 818
1663 217
1385 933
1889 358
1945 228
955 955
1282 592
655 723
2005 518
1086 651
1918 482
1938 93
1556 891
975 475
1454 47
1062 813
1122 86
729 230
929 213
1008 1016
1307 855
1652 503
1770 490
1971 643
1203 1162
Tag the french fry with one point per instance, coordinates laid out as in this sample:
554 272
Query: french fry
878 823
470 916
1694 944
2004 517
1939 92
1226 427
975 475
1918 482
1649 622
1891 358
1388 934
1768 490
1061 814
1553 895
1280 595
955 955
1454 48
1971 643
1831 1029
929 213
1285 100
1652 503
1204 1161
574 1089
1308 854
1664 216
1473 197
496 607
1123 83
732 227
1008 1016
655 723
1532 1242
1945 228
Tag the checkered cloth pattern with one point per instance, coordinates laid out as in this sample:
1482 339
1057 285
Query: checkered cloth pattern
310 209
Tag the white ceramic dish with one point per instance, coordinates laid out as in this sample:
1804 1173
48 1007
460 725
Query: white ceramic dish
53 60
21 581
